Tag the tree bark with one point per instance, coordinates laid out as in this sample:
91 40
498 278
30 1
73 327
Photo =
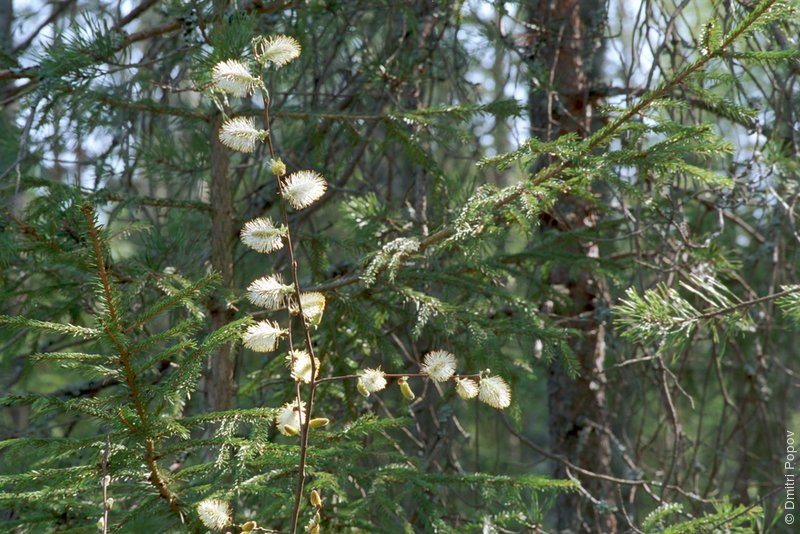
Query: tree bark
566 39
220 379
6 17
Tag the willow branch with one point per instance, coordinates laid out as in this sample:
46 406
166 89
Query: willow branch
304 428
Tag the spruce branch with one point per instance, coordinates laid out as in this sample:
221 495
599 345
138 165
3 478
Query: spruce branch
112 309
61 328
107 196
29 230
150 451
745 304
585 148
662 314
115 333
175 299
152 107
790 302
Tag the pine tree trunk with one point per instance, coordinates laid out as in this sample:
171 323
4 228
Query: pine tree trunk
567 36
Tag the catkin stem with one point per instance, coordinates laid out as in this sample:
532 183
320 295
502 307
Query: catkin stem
301 475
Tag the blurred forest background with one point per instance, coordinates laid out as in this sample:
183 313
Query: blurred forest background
595 199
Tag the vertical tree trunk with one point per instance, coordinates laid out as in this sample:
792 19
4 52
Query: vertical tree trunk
6 16
566 40
219 385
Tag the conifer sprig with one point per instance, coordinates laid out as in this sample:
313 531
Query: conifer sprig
110 300
662 314
577 153
114 333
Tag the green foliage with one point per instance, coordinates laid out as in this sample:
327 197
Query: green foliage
35 325
123 283
663 315
132 411
739 519
790 302
565 148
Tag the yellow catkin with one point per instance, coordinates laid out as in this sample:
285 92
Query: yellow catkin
405 389
318 422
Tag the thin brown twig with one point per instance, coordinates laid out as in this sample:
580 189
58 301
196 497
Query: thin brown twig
106 481
134 13
390 375
677 429
54 14
563 460
625 512
304 427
